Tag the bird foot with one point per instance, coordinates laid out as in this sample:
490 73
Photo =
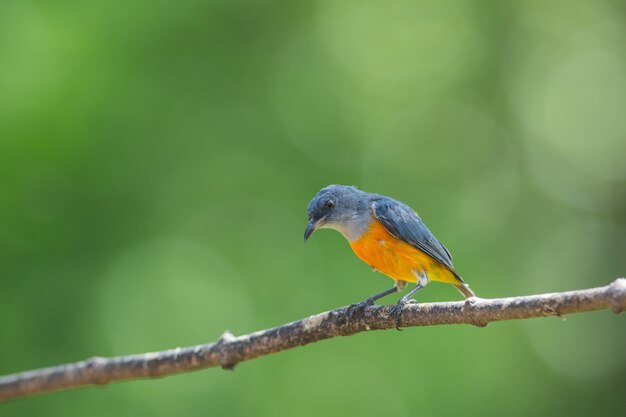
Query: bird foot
470 301
397 312
358 309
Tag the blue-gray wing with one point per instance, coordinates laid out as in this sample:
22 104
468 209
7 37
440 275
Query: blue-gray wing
403 223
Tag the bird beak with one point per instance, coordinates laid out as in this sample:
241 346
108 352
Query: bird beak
310 228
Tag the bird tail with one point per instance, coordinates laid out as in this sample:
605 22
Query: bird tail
463 287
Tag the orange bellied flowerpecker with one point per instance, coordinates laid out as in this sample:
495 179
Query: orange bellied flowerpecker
387 235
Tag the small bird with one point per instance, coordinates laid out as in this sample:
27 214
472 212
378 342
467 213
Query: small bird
387 235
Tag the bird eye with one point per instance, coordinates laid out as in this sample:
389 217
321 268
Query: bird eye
329 204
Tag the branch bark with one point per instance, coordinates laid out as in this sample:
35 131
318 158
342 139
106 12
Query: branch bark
229 350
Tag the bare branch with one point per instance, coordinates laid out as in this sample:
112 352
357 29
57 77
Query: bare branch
229 350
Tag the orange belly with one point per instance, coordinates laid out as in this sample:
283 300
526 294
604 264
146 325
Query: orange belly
397 259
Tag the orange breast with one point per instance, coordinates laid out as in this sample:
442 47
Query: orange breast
395 258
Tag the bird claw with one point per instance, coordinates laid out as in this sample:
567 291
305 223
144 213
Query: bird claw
368 302
358 309
397 312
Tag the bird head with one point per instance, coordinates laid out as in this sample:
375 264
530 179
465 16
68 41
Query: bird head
337 207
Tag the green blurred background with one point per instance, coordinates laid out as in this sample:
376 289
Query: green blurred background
157 158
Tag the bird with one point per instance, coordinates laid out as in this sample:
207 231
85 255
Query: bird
389 236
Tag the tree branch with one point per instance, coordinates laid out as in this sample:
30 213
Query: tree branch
229 350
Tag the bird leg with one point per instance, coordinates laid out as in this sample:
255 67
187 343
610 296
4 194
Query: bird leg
359 307
422 280
370 300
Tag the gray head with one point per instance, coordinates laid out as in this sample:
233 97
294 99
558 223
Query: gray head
339 207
